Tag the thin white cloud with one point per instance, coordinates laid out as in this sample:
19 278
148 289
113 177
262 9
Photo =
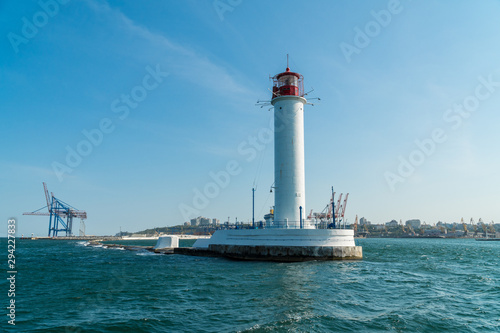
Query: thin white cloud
182 61
24 170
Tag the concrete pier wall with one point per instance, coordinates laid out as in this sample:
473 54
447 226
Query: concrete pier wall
263 253
280 237
288 253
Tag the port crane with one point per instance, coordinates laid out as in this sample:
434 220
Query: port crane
339 215
422 228
492 228
411 230
483 226
329 213
60 214
402 226
474 226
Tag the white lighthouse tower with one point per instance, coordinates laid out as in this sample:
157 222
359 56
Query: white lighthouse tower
289 237
289 197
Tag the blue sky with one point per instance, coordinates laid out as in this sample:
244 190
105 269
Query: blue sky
171 87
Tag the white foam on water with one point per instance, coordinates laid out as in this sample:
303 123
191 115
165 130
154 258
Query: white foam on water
147 254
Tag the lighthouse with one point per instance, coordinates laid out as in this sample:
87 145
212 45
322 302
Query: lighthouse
289 175
289 236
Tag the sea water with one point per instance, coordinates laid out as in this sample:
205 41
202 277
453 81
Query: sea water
401 285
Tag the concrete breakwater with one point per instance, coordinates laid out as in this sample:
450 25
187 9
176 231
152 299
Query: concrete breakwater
288 253
76 238
261 253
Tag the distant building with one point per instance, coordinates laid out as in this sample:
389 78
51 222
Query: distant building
195 222
204 221
269 218
393 223
458 233
449 225
433 232
413 223
363 221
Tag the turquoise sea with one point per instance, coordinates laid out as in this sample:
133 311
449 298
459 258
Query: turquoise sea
401 285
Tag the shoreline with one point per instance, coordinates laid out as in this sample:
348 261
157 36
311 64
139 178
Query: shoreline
112 238
187 237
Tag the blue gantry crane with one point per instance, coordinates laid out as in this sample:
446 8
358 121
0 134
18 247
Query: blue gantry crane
61 214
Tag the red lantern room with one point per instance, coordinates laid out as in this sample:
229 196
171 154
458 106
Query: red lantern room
288 84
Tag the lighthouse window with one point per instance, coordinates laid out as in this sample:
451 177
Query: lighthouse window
288 80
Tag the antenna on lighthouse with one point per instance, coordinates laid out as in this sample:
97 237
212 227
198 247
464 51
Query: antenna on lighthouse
287 67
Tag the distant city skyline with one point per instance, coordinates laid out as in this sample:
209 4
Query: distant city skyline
144 114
